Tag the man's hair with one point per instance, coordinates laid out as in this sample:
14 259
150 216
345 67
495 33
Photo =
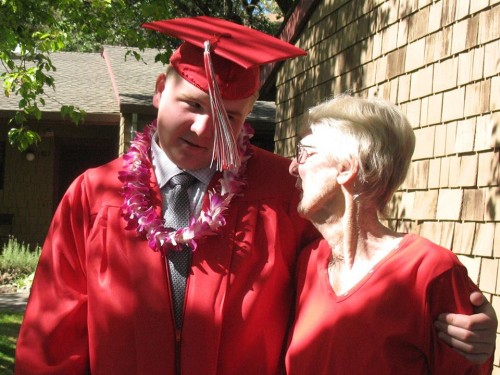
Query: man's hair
171 72
377 134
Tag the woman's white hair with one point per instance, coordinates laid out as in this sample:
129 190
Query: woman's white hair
377 134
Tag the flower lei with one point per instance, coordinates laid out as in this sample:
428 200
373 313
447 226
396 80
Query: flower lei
140 213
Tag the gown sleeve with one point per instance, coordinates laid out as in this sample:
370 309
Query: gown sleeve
53 336
450 292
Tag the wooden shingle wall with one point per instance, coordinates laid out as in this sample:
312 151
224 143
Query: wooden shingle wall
440 62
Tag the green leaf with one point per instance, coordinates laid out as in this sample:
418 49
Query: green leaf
19 117
22 138
35 29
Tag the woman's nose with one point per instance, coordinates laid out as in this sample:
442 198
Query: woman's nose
293 168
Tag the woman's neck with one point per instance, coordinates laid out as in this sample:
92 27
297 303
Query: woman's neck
358 241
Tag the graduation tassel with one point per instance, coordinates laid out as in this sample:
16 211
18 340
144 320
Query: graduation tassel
225 150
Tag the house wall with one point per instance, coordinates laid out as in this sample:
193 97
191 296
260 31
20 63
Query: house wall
130 123
27 192
32 189
440 62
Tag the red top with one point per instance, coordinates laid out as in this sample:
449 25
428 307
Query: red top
384 324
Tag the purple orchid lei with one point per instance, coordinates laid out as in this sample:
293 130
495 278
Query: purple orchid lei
140 213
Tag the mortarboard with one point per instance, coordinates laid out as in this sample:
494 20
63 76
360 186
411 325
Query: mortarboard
223 59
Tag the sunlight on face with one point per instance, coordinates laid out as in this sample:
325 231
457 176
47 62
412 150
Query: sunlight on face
185 126
317 176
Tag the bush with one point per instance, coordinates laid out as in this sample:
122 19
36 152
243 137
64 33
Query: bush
17 262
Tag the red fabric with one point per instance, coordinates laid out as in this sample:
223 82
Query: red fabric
240 44
234 81
100 298
384 324
237 53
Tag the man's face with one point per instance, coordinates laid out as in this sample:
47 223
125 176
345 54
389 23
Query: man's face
185 128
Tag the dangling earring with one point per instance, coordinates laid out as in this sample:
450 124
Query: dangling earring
355 196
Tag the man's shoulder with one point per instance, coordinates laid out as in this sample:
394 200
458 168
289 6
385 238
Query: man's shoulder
108 171
265 164
104 178
263 157
267 175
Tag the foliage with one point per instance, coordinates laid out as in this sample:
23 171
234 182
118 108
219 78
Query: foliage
17 265
22 137
18 262
10 323
30 30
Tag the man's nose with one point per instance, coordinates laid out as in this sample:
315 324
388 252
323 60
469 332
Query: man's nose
202 125
293 168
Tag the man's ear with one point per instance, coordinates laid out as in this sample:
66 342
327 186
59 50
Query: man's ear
159 87
348 170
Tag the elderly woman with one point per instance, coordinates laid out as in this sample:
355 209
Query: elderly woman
367 295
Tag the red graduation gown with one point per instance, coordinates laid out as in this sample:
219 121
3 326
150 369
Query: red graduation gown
100 300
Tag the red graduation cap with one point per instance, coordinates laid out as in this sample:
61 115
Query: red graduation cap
238 51
223 59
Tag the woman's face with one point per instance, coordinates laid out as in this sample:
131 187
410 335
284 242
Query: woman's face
316 173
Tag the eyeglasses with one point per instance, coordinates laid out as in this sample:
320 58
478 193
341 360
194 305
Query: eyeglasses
301 153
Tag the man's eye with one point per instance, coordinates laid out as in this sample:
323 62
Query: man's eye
194 105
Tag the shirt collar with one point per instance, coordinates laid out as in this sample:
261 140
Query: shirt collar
165 169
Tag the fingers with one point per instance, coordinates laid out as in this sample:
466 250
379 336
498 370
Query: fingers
467 322
484 310
473 336
469 347
479 321
477 345
459 333
477 299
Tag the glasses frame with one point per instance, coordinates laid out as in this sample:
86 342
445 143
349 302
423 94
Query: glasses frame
301 153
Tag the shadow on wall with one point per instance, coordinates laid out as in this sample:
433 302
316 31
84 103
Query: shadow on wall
494 179
337 43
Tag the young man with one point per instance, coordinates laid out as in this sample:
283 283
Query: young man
122 287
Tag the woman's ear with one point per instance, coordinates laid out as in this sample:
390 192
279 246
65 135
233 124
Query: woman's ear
348 170
159 87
